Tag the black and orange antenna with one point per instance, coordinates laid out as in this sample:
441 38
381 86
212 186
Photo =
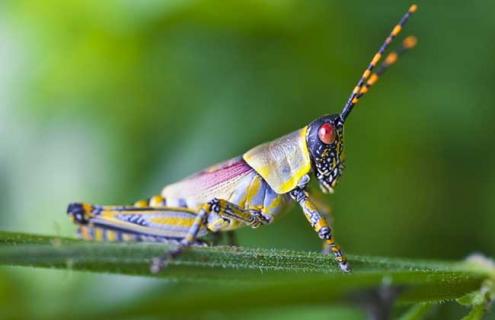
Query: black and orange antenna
369 78
408 43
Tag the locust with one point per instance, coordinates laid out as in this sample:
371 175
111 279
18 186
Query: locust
249 190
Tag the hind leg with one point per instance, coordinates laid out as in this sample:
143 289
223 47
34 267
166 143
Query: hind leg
158 263
128 223
81 211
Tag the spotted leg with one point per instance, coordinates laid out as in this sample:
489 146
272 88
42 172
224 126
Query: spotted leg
226 212
320 225
229 213
326 212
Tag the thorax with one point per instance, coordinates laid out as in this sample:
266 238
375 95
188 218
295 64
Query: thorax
234 181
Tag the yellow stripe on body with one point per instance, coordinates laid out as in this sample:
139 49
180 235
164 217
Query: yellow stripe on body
253 190
155 231
282 162
303 170
173 221
277 202
108 214
240 194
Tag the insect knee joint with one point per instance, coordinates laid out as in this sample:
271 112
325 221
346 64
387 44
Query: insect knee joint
214 205
258 218
325 233
80 212
298 195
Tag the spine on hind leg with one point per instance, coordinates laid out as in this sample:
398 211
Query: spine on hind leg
97 233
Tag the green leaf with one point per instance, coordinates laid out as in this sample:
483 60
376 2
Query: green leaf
417 312
476 313
249 278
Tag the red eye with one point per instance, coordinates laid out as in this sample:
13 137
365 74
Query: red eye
326 133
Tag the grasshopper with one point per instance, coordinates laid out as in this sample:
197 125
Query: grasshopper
249 190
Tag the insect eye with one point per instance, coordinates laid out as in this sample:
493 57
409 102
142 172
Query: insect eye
326 133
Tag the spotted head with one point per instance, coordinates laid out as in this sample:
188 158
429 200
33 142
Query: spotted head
325 135
325 140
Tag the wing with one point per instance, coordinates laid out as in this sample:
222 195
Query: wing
219 181
139 224
281 162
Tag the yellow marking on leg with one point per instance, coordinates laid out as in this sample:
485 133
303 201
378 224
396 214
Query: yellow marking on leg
98 234
173 221
337 252
236 211
108 213
88 208
320 224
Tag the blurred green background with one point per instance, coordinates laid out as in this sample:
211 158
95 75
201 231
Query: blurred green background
109 101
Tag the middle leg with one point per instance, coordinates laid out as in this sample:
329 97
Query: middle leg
226 212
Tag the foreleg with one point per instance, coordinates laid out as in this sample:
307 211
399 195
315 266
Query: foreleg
320 225
225 211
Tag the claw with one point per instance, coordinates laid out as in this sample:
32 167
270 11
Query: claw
260 219
344 266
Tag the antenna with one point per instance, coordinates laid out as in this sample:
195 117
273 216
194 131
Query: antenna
356 93
408 43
